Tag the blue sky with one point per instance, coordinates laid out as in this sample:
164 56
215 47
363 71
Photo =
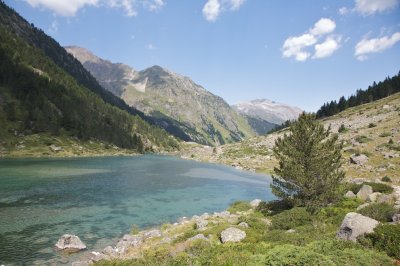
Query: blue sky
303 53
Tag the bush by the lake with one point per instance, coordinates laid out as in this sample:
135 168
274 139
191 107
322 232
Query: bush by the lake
239 206
292 218
273 207
386 237
309 172
382 212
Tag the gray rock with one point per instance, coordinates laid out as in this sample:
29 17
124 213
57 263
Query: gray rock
128 241
373 197
232 234
55 148
385 199
354 225
152 233
255 203
201 224
244 225
290 231
199 236
70 243
358 159
205 216
110 251
82 263
97 256
396 218
364 192
349 194
224 214
363 205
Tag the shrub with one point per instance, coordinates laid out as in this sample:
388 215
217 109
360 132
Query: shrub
385 134
386 179
342 128
273 207
382 212
362 139
376 187
239 206
391 141
291 218
386 237
371 125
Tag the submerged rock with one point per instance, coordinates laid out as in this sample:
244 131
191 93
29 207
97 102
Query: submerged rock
354 225
232 234
70 243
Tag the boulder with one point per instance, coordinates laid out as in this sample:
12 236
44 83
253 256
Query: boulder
244 225
396 218
205 216
70 243
128 241
97 256
290 231
360 159
364 192
110 251
354 225
201 224
363 205
373 197
385 199
55 148
232 234
255 203
349 194
199 236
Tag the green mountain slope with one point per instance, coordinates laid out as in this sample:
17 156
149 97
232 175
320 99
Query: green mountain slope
39 97
156 90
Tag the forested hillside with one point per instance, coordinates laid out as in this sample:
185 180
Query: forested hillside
374 92
38 96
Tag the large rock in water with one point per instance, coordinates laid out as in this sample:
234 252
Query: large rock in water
354 225
232 235
70 243
364 192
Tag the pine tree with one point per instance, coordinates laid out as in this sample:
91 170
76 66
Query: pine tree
309 158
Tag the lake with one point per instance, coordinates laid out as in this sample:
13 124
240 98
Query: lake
100 198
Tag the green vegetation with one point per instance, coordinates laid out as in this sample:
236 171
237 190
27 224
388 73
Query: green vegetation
382 212
371 125
239 206
39 97
362 139
376 187
342 128
291 219
386 179
375 92
386 237
309 164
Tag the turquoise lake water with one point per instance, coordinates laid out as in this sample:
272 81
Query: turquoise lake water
99 199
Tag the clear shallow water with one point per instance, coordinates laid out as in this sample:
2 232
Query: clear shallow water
99 199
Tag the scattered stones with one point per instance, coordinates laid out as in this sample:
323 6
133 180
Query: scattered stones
70 243
354 225
152 233
244 225
201 224
360 159
373 197
364 192
232 234
389 155
255 203
350 194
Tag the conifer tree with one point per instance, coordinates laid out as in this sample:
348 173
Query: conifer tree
309 158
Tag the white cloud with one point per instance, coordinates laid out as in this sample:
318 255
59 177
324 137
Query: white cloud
327 48
213 8
53 27
369 7
70 7
298 46
343 11
368 46
294 46
151 46
323 26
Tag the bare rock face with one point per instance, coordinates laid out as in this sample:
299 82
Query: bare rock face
70 243
232 235
354 225
364 192
358 159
